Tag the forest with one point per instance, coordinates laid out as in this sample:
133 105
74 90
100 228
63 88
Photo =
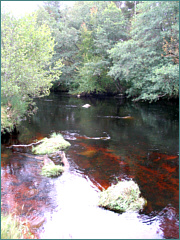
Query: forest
93 47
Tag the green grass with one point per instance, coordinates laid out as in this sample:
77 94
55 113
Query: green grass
51 170
51 145
11 228
124 196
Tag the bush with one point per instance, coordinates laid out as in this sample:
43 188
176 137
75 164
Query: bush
25 43
124 196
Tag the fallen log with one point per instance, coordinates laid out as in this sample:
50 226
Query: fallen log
25 146
32 156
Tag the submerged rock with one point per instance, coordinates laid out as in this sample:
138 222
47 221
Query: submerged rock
86 106
47 160
124 196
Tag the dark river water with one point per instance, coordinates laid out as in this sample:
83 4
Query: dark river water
112 140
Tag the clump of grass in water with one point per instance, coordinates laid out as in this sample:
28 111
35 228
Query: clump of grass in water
50 145
52 170
124 196
11 228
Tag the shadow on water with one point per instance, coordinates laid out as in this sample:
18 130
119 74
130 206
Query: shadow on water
112 140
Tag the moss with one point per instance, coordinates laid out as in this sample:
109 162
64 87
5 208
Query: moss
124 196
52 170
51 145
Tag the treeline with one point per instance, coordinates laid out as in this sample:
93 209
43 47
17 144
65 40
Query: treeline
114 47
128 47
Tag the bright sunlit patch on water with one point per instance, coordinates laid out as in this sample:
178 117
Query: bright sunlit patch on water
77 215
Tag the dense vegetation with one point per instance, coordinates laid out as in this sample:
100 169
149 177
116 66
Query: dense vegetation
26 68
92 47
130 48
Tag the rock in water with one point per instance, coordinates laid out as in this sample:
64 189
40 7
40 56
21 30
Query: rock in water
86 106
47 160
124 196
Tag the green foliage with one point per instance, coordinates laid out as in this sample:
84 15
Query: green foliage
26 72
103 30
82 42
52 170
50 145
131 48
124 196
164 81
53 8
66 37
93 77
147 63
6 122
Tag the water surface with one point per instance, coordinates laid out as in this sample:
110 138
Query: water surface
112 140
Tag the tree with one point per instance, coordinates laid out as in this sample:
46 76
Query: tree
147 63
26 72
104 28
53 8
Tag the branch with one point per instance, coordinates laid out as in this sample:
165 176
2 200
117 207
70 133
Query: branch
24 146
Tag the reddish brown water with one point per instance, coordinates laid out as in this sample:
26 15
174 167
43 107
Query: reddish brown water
103 150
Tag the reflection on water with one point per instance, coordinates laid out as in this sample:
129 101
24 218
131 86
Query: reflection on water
143 147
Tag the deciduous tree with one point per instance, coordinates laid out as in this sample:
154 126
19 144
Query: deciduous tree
147 63
26 70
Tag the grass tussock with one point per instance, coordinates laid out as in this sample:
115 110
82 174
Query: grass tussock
52 170
124 196
11 228
55 143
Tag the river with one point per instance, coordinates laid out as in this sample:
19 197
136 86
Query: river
112 140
